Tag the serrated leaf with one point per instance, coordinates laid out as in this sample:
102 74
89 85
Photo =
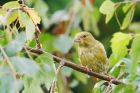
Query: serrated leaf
135 54
30 27
24 66
107 7
16 45
33 14
11 4
119 44
64 43
48 68
128 18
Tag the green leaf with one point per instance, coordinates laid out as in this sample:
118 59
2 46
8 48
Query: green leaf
2 38
118 88
107 7
121 88
135 54
64 43
12 17
47 41
2 12
129 89
27 21
126 7
109 16
67 71
24 65
74 83
128 18
6 82
42 12
80 76
98 87
119 44
135 27
127 64
2 16
11 4
96 14
47 67
97 90
114 71
16 45
32 85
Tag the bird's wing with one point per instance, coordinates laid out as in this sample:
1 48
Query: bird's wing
101 56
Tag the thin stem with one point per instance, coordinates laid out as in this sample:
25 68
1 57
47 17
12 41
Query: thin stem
116 16
56 75
13 71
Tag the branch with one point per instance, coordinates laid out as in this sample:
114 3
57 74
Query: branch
79 68
37 32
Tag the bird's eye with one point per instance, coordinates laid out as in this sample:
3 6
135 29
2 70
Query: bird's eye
84 36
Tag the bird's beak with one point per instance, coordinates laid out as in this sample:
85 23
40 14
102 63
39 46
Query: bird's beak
77 39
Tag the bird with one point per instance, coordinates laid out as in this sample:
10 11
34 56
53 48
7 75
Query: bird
92 54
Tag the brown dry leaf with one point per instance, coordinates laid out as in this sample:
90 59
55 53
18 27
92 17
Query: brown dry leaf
91 1
60 28
33 14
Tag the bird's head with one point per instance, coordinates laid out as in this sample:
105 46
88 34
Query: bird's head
84 39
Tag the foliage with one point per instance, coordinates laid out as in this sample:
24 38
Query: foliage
58 22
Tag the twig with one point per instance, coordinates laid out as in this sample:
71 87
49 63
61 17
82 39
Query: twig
79 68
56 75
117 19
9 11
37 32
109 87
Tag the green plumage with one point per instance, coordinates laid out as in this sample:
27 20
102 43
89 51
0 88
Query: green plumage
91 53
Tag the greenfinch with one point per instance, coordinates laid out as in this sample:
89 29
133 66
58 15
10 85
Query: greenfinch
91 52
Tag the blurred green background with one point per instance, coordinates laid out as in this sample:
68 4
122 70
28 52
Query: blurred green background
61 20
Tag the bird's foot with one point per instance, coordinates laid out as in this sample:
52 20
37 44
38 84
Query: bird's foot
88 69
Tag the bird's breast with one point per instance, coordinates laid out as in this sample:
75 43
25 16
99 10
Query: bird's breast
86 56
